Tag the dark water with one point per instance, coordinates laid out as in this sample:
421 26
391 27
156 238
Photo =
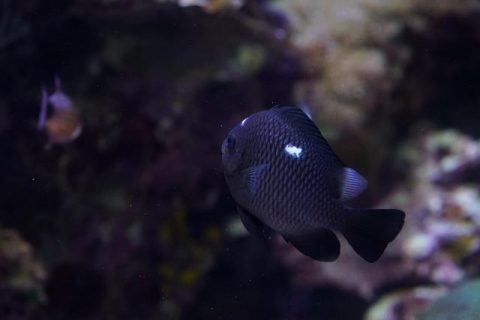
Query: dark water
132 219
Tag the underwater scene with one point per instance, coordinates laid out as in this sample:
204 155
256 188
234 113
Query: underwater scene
239 159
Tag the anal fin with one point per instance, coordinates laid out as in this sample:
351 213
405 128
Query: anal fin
322 245
251 223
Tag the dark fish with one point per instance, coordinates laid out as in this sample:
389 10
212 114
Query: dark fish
284 176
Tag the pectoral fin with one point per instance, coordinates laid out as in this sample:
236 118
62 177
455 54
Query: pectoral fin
323 245
251 178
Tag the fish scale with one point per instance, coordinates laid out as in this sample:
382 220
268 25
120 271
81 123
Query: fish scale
284 175
284 165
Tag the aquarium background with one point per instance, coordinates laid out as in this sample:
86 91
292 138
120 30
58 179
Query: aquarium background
133 219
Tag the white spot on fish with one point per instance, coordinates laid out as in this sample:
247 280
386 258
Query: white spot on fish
243 121
293 151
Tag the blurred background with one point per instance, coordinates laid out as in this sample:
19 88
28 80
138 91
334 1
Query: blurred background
116 206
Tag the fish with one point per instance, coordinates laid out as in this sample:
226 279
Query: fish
284 177
65 124
213 6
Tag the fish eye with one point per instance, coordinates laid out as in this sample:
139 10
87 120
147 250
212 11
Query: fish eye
230 142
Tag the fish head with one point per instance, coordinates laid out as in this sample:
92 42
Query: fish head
232 150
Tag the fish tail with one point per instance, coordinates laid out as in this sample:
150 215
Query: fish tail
370 230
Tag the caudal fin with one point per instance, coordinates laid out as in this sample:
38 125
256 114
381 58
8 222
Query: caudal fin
370 230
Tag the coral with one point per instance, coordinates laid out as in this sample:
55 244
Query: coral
212 6
370 69
349 50
347 273
361 53
22 278
442 233
428 303
440 240
130 213
399 7
445 204
375 64
462 302
404 304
